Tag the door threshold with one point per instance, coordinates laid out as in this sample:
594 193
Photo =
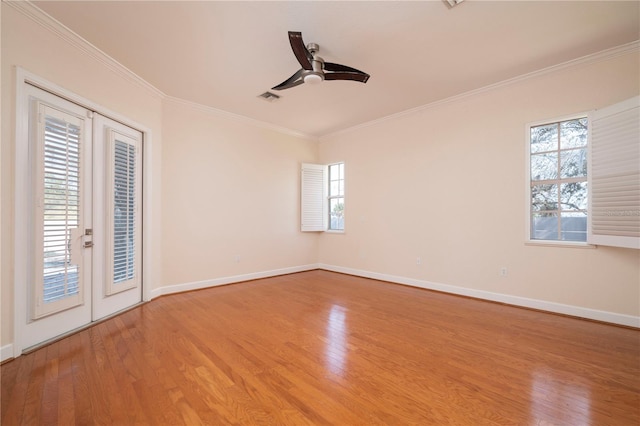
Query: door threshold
77 330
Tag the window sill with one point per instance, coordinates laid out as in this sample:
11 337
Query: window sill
562 244
334 231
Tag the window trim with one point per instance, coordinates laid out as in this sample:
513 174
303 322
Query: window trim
527 181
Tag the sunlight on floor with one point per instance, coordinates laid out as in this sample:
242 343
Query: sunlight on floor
554 398
336 349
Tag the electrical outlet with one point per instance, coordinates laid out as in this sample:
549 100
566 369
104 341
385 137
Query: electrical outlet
418 261
503 271
236 259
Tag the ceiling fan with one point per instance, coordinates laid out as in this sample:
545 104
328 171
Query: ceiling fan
314 68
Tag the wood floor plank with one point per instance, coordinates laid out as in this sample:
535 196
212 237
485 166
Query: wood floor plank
16 376
50 392
324 348
66 408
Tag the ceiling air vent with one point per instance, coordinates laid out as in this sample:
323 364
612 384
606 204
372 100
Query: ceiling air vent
270 97
453 3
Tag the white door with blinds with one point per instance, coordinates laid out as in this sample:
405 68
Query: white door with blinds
58 279
84 249
117 280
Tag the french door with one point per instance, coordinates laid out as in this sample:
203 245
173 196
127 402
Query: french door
84 253
117 218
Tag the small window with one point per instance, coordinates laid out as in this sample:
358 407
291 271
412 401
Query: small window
336 197
322 198
558 196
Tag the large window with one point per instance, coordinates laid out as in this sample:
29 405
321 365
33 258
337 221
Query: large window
336 197
558 180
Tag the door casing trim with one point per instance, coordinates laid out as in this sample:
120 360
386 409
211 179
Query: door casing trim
22 182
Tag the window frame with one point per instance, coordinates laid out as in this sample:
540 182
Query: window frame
330 196
528 181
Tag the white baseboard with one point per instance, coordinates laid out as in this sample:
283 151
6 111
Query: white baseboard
559 308
6 352
179 288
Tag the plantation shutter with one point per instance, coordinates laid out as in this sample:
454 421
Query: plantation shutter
314 198
57 218
614 175
123 218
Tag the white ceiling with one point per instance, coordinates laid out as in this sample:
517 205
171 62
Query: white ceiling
224 54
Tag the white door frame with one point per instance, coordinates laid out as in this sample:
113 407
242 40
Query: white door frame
22 186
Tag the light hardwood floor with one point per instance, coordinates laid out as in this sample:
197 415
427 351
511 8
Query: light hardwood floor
324 348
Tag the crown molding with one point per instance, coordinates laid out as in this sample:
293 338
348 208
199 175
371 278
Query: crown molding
240 118
614 52
72 38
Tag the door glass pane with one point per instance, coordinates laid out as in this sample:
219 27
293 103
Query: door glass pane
61 208
124 212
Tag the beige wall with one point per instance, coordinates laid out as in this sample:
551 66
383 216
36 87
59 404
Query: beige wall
41 52
447 184
231 197
225 194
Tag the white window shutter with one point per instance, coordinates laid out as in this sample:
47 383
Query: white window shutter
614 175
58 219
122 233
313 198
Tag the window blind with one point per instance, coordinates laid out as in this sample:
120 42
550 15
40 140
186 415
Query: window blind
57 221
61 198
614 175
122 219
125 208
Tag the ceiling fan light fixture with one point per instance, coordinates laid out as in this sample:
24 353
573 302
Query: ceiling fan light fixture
313 78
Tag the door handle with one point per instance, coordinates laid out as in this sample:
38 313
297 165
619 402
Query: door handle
88 244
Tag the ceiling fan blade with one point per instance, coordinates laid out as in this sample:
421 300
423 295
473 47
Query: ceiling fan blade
299 49
355 76
292 81
330 66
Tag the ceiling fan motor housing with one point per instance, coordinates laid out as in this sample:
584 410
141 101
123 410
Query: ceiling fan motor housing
316 75
317 63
